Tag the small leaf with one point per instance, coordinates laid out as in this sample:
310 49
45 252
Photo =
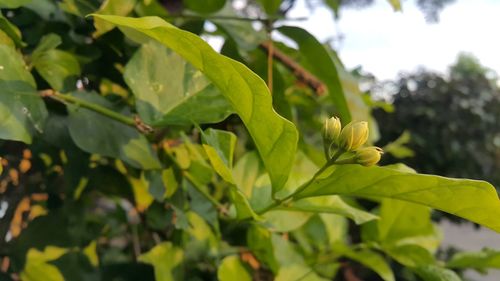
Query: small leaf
487 258
369 259
164 257
477 200
108 137
270 6
60 69
38 266
220 149
79 8
11 30
436 273
231 269
396 4
204 7
275 137
111 7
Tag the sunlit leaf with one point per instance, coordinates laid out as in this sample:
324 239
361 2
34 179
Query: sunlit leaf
478 200
231 269
164 257
436 273
38 267
111 7
275 137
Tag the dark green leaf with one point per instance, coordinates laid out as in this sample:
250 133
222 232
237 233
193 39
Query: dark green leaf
270 6
96 133
204 7
11 30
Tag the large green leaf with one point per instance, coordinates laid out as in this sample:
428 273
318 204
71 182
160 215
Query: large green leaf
170 91
99 134
275 137
487 258
22 110
471 199
231 269
164 257
320 64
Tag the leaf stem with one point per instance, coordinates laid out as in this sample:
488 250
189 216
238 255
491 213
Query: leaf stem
301 188
91 106
199 188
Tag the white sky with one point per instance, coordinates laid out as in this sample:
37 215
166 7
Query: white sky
384 42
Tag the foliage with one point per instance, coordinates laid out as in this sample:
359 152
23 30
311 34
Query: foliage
134 151
463 142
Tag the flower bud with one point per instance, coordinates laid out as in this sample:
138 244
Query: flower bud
353 136
368 156
331 129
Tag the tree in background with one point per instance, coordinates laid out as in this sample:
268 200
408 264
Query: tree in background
452 120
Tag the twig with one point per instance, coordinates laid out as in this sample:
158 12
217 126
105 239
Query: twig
301 73
135 122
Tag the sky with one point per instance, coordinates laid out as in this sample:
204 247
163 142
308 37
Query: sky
385 42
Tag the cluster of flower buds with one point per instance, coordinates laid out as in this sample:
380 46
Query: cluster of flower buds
351 138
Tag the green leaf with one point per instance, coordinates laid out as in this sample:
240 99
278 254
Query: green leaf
108 137
285 221
275 137
410 255
12 4
38 266
204 7
478 200
79 8
231 269
320 64
177 94
270 6
246 172
396 4
220 149
436 273
111 7
369 259
11 30
59 68
333 205
22 110
164 257
487 258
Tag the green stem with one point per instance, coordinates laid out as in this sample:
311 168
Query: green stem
94 107
301 188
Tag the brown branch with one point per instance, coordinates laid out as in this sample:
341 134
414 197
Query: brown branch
301 73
